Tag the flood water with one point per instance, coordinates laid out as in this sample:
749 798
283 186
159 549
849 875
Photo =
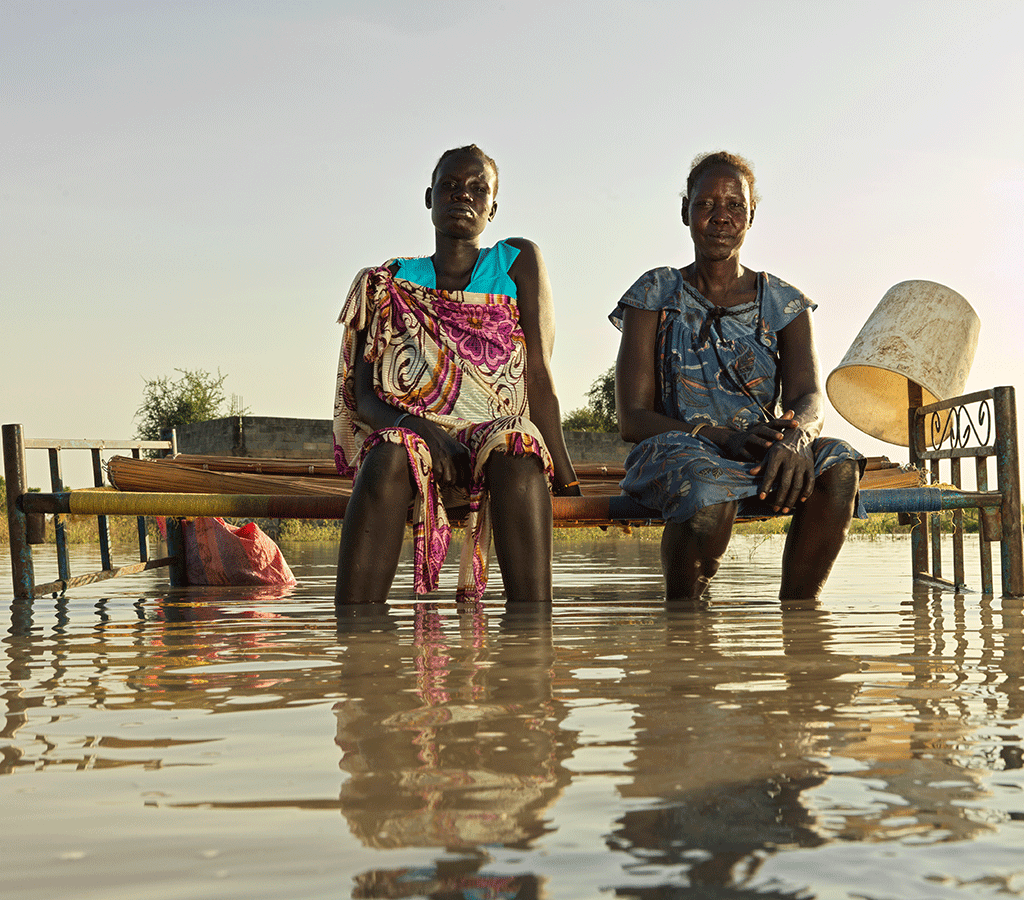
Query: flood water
239 743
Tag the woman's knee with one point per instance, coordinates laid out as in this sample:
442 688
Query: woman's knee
704 537
692 551
506 469
385 474
840 482
520 500
714 523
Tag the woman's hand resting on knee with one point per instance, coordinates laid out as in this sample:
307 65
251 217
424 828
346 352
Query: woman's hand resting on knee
782 450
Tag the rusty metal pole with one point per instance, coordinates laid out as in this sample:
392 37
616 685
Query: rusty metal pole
915 441
102 523
1008 482
959 576
985 531
22 572
141 523
177 571
60 530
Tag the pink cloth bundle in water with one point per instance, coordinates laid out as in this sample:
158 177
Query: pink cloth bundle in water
219 553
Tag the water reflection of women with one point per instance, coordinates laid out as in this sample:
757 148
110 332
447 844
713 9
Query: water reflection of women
708 354
439 752
445 390
720 817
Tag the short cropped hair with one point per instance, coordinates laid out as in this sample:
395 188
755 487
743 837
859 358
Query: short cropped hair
476 151
704 161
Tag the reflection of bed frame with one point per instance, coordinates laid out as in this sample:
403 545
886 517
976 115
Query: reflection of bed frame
978 426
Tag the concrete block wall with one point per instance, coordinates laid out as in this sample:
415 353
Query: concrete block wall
596 446
259 436
284 438
287 438
218 437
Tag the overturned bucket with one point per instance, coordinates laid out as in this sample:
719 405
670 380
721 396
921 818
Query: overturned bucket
921 332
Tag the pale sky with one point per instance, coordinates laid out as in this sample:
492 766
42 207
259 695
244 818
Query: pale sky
194 185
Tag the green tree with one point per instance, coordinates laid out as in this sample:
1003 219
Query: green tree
197 396
599 413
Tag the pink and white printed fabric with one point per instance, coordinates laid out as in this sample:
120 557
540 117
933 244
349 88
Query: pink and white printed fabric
459 360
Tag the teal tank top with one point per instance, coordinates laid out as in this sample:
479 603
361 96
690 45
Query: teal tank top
490 274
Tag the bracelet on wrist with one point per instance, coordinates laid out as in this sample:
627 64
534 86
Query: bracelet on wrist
400 419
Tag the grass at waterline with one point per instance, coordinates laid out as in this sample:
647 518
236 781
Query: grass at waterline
83 529
880 525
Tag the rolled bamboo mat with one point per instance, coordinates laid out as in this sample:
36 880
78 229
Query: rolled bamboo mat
151 475
197 474
314 468
891 479
319 467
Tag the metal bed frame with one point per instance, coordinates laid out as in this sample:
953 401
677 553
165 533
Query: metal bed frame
981 426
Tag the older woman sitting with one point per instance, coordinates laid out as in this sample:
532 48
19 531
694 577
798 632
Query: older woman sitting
717 384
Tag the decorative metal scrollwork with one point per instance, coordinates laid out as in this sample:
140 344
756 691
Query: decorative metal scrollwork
959 428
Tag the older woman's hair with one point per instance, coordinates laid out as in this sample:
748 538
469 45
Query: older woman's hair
704 161
476 151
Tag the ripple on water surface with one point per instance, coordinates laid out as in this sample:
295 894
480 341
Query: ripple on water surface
241 743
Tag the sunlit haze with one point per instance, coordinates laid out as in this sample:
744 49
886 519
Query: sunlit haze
193 185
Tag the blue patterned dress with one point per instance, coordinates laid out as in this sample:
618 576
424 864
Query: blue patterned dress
717 365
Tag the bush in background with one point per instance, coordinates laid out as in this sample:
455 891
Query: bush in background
197 396
599 413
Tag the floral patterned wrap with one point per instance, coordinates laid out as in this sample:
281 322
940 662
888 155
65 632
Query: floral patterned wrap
459 360
718 366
